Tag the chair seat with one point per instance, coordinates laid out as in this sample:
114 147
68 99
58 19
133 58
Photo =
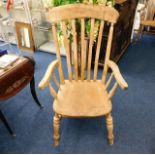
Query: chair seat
148 23
82 99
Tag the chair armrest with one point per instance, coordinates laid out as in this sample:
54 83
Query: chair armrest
120 80
46 79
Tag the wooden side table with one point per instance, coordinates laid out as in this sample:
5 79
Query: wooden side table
13 79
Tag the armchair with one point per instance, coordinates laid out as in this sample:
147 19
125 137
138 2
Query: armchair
147 16
82 95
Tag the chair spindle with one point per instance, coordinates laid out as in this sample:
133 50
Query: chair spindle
91 40
56 80
113 90
83 53
108 51
98 49
68 51
52 91
109 81
75 49
58 53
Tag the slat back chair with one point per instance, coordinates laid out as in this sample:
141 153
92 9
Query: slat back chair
82 95
147 16
150 7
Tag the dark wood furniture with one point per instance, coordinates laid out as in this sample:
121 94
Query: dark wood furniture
13 79
122 32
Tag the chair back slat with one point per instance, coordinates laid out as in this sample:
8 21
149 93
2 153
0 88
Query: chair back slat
72 20
91 41
67 48
83 52
58 53
98 49
74 33
107 56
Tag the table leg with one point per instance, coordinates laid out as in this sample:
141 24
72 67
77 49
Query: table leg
33 92
2 117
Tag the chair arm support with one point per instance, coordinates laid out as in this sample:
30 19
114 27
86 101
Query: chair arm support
120 80
46 79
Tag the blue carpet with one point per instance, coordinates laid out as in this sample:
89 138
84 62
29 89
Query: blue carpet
133 111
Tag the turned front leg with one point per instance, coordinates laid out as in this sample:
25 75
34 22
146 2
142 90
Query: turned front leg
109 124
56 126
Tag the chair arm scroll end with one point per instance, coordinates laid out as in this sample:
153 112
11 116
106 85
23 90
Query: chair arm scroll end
49 72
42 85
120 80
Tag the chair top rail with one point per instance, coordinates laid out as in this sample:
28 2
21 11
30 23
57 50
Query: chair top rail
72 11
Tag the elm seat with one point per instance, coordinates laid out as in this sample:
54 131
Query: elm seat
13 79
74 95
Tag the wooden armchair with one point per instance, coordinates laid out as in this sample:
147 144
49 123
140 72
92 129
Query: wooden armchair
147 16
81 95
